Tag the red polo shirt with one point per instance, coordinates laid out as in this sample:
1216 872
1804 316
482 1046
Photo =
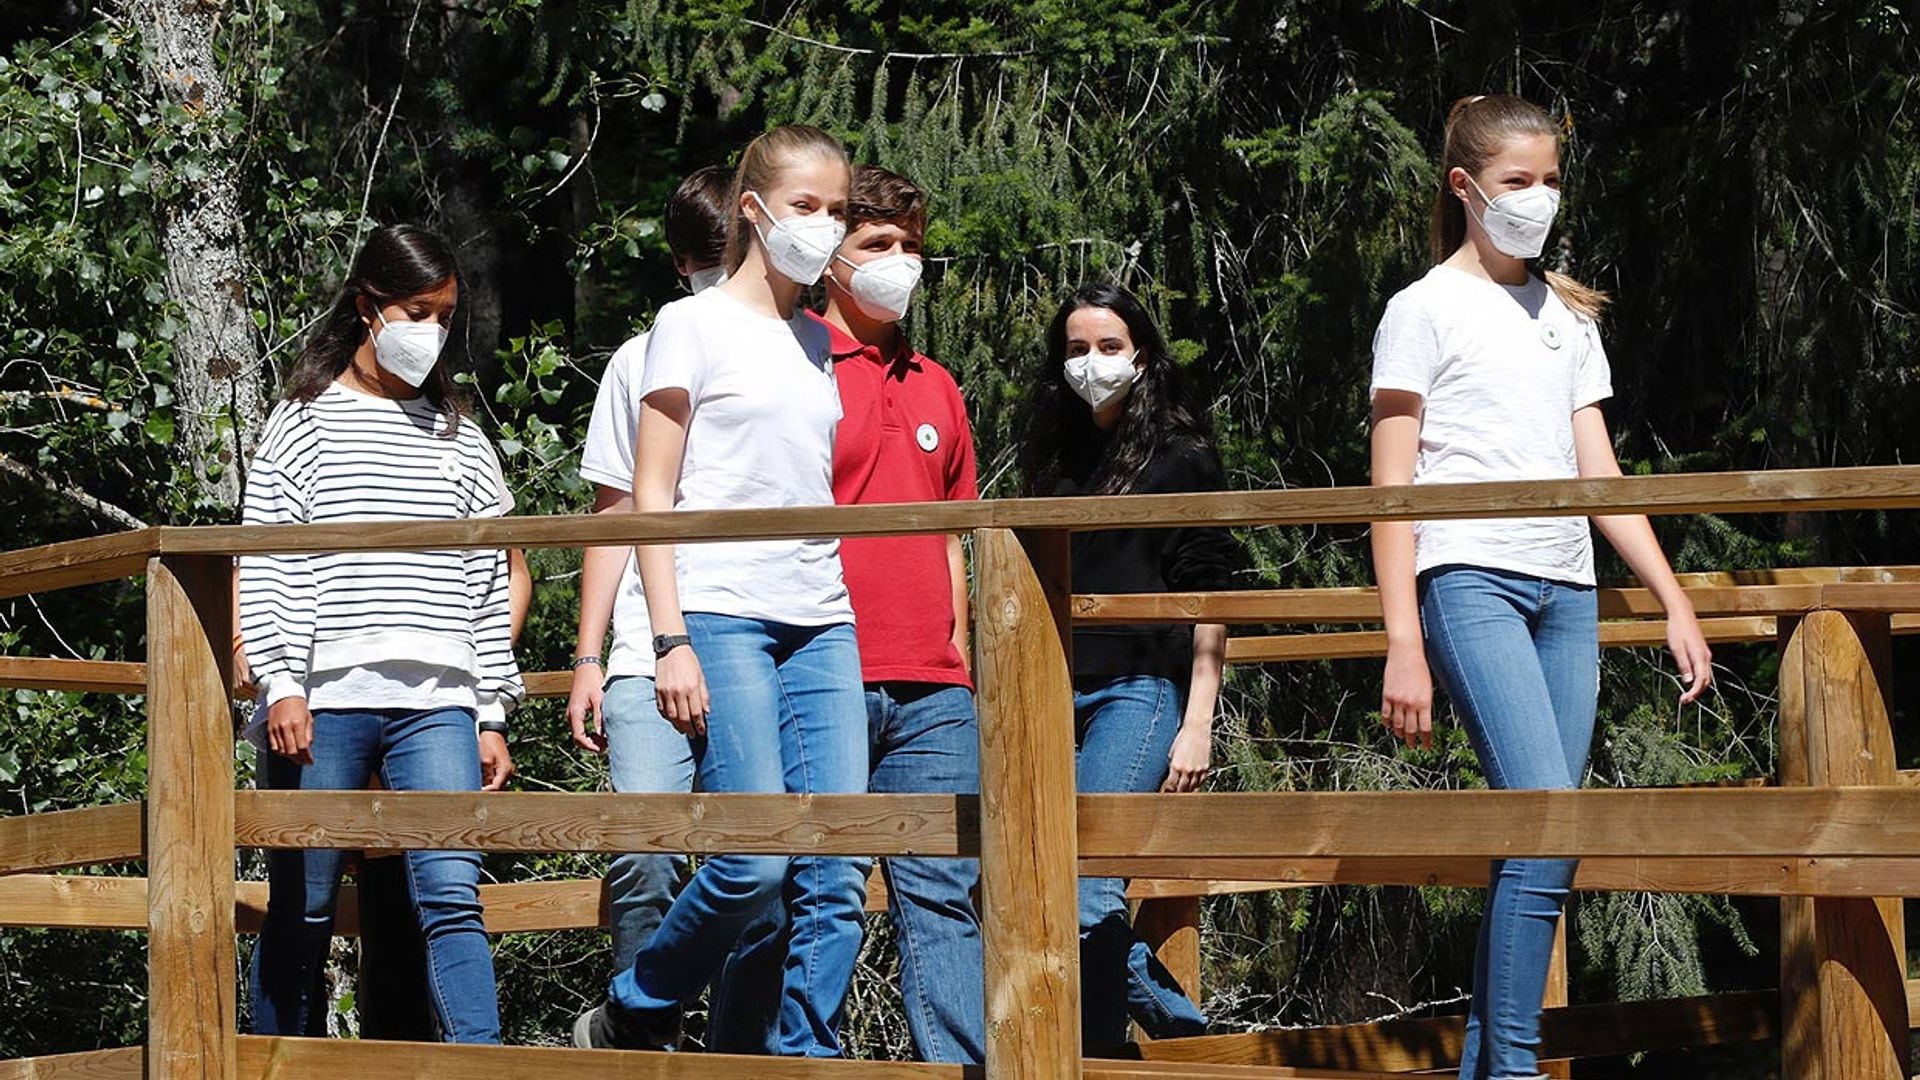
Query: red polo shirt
902 437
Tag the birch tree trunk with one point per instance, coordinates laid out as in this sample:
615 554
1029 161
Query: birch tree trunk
218 380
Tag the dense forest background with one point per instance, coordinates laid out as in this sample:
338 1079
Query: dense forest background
182 184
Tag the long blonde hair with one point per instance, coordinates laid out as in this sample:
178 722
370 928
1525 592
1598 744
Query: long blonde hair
769 154
1478 128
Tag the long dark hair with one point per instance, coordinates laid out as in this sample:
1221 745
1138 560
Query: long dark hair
397 261
1062 438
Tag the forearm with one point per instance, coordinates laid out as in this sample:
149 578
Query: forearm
600 569
519 591
1209 663
957 577
1632 536
1393 563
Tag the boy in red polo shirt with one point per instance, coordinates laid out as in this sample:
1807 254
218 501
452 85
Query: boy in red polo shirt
903 437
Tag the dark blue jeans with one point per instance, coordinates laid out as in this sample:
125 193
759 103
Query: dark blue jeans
923 738
644 753
1125 728
1520 657
427 751
786 716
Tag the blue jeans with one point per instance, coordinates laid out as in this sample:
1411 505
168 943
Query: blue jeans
786 710
1125 728
644 753
923 738
1520 657
423 751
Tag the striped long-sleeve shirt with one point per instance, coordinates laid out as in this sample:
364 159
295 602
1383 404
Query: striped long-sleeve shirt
386 629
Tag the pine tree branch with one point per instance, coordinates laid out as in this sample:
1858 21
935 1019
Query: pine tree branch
852 51
92 504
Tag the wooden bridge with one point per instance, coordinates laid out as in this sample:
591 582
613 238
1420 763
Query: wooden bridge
1837 840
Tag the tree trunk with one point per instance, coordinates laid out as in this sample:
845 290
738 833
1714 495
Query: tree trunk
218 380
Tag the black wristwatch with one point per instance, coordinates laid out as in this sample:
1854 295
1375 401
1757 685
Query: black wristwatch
498 727
666 643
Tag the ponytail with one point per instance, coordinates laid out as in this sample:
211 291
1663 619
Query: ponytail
1478 128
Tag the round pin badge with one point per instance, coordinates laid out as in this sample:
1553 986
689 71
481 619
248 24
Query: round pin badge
1550 334
928 436
450 467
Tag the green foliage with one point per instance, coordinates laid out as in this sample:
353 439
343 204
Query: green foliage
1742 179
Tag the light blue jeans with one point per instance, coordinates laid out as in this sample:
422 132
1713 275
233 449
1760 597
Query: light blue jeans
787 716
1125 728
1520 657
644 753
923 738
412 751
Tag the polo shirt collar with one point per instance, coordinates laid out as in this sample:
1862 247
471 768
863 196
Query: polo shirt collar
846 347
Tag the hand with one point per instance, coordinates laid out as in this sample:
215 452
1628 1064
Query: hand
589 684
290 729
1690 652
681 690
496 761
1406 697
1190 757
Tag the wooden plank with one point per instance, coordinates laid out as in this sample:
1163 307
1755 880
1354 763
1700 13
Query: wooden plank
607 822
1357 644
77 562
1724 876
1555 997
1170 926
1870 487
1884 597
125 1063
100 676
191 1006
61 838
1578 1031
1295 606
1029 894
1842 960
1812 823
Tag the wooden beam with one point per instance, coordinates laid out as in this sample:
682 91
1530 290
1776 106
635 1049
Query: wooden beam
191 1007
1843 961
77 562
126 1063
1721 876
1296 606
102 676
606 822
1888 487
1357 644
1029 898
1810 823
1170 925
56 839
1578 1031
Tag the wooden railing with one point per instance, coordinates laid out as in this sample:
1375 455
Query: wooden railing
1834 842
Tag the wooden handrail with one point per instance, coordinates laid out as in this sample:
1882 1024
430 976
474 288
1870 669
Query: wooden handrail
1885 487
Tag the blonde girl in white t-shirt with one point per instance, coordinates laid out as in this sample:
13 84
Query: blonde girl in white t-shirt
754 639
1483 370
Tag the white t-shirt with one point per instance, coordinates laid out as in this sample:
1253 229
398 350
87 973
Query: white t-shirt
607 458
764 408
1501 370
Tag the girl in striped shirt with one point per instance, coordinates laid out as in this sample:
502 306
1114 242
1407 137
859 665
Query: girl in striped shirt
390 665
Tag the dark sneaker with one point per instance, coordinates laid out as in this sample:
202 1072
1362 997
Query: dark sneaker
597 1029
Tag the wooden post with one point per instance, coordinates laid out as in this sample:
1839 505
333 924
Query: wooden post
190 893
1170 925
1843 1002
1029 847
1556 995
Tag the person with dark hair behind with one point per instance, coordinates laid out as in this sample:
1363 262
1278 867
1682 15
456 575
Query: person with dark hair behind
390 664
644 751
1109 419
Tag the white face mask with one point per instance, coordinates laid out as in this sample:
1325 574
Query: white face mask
1102 378
408 350
701 280
883 288
1517 221
801 245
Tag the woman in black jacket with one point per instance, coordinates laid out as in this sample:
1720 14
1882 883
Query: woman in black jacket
1108 419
